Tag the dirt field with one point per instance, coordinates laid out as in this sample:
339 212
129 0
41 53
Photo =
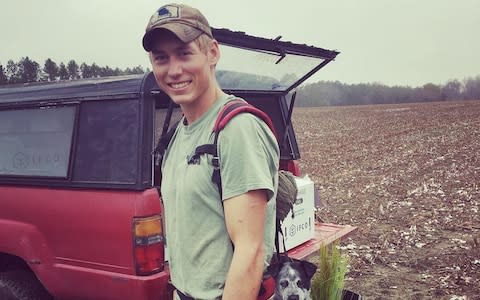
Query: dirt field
409 177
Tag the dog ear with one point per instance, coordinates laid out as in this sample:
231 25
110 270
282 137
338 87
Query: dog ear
274 269
309 268
277 264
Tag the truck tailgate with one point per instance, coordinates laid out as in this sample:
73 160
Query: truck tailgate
325 233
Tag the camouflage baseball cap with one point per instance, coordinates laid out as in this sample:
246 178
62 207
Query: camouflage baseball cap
186 22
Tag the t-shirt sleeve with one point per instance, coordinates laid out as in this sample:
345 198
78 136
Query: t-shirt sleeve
249 157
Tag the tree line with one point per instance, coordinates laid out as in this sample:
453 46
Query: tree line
27 70
322 93
325 93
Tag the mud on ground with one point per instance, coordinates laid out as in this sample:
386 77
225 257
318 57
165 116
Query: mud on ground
408 176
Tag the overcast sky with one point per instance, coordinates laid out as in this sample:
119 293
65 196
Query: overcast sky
404 42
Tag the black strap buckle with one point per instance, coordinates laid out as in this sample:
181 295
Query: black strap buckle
216 162
193 159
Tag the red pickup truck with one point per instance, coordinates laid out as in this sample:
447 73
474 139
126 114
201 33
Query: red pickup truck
80 212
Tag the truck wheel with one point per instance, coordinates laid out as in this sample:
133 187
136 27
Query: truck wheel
21 285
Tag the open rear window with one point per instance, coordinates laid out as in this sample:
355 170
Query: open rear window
255 63
262 70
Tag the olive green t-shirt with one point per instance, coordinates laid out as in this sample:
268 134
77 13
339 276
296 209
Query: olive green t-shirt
199 247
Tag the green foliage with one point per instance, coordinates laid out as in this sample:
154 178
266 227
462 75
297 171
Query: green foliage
322 93
95 70
138 70
12 72
328 281
28 70
3 76
86 71
325 93
63 72
51 68
452 90
73 69
472 88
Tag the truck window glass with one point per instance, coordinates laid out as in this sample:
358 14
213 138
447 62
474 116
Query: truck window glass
36 142
107 142
261 70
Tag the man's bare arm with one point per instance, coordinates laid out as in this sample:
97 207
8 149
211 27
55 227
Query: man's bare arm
245 220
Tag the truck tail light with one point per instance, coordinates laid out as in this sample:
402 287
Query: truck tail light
291 166
148 243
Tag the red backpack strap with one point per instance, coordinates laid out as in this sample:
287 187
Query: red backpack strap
228 111
235 107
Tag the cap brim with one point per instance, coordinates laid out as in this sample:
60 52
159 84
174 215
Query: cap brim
183 32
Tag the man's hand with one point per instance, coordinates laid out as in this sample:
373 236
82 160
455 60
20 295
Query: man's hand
245 220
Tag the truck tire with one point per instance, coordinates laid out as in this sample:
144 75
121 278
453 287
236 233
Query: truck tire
21 285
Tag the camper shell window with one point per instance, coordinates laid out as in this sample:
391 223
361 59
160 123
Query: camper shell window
36 141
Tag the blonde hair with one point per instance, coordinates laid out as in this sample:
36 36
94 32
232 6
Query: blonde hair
203 42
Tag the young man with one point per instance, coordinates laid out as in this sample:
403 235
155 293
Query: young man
218 248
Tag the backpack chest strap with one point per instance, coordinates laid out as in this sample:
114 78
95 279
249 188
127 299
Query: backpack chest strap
210 149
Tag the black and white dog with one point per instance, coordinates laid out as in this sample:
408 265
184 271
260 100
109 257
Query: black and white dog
292 278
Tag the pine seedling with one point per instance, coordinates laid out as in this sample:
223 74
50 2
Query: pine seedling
329 280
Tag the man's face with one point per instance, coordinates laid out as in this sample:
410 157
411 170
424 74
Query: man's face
183 71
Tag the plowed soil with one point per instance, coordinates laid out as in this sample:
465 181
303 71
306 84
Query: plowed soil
408 176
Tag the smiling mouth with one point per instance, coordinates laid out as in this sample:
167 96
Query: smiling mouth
179 85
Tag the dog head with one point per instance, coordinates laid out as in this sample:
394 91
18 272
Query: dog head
292 279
